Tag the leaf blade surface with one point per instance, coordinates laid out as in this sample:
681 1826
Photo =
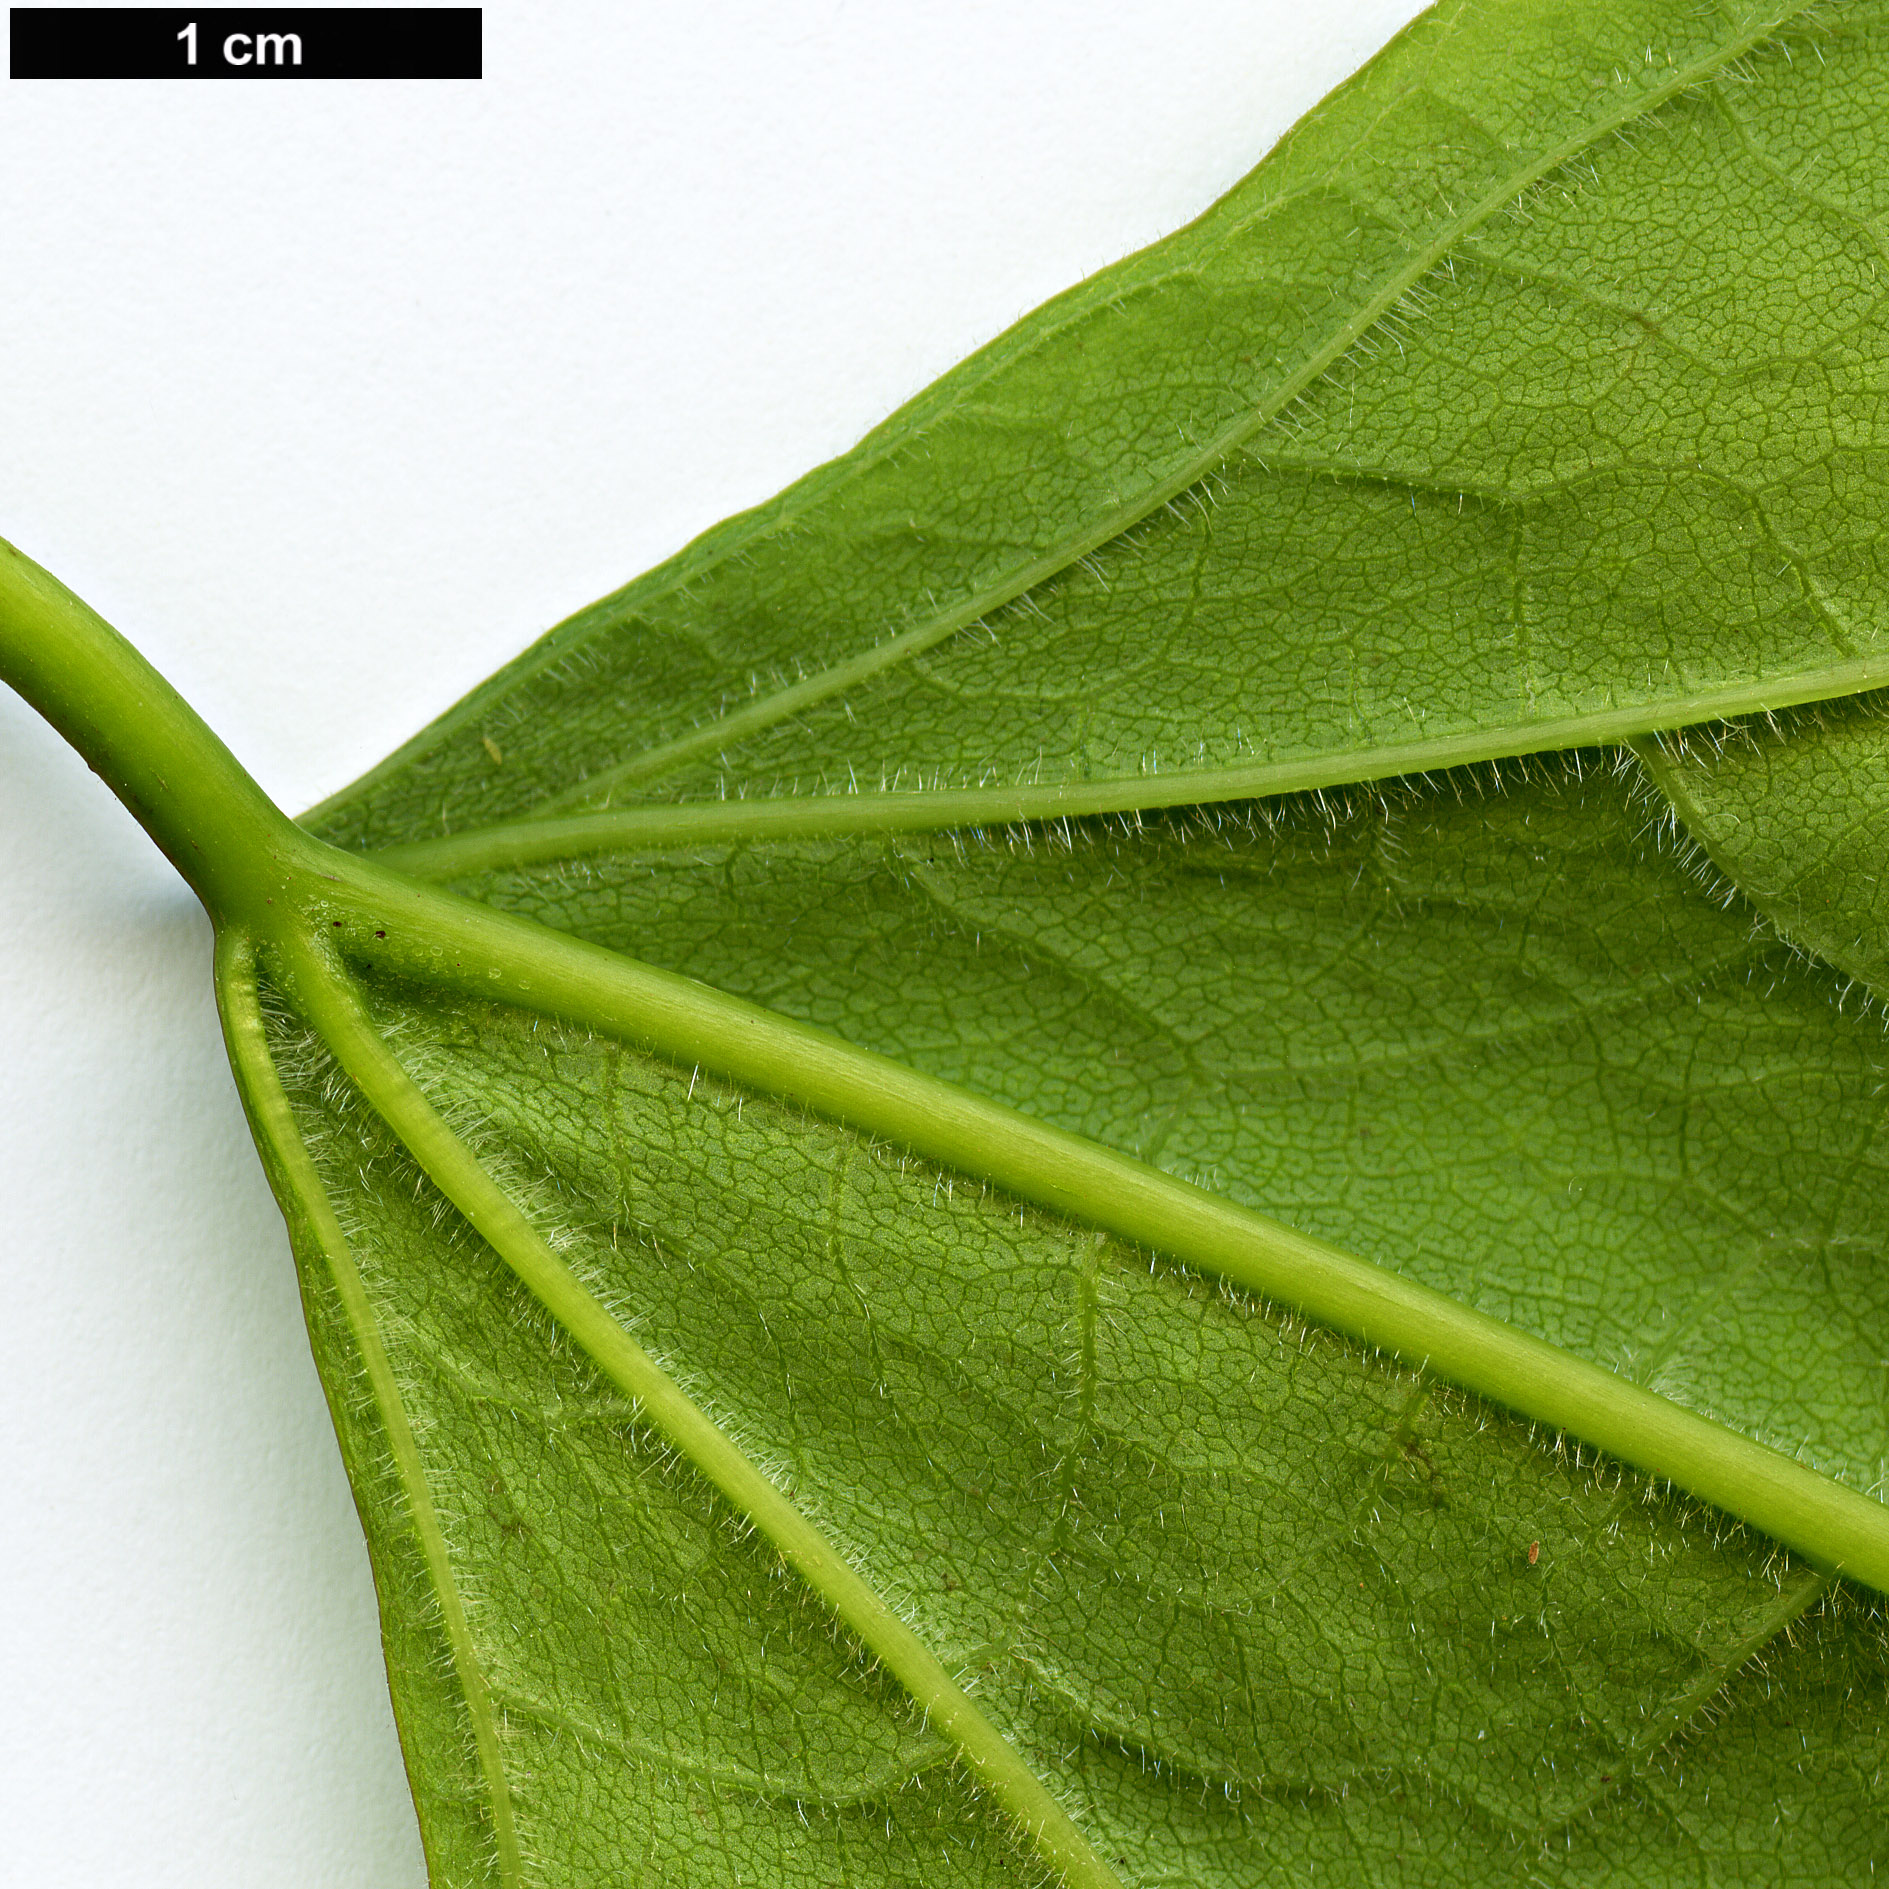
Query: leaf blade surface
1795 818
1453 431
1501 1041
1498 411
985 1478
1536 451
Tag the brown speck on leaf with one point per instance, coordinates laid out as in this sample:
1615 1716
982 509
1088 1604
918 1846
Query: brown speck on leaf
1534 1552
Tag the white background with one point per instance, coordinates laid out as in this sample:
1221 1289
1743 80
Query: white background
332 397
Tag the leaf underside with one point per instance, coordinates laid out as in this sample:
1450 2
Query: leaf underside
1250 1599
1528 398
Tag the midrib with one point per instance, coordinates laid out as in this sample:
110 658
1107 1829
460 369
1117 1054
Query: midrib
664 758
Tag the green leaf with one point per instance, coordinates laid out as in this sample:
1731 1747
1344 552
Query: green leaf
1527 395
1246 1598
1795 815
1497 1037
883 1334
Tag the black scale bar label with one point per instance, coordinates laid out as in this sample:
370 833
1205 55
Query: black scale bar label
245 43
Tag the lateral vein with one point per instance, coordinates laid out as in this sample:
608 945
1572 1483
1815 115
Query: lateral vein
675 824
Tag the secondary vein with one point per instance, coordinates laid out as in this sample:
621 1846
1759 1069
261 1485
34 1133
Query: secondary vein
676 824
